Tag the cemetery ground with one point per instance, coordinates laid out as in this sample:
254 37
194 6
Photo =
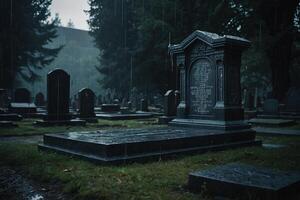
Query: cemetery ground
62 177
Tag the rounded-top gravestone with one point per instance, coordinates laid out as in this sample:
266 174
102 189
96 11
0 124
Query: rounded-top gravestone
169 106
58 90
22 95
293 100
271 106
39 99
144 105
86 103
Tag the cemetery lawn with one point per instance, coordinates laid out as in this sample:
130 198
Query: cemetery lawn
26 127
165 179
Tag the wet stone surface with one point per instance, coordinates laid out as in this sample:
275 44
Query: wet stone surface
246 179
134 135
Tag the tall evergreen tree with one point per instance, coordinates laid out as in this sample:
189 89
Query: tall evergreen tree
25 30
269 24
113 26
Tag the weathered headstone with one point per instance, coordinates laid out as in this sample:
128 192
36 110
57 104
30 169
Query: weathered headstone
110 108
39 99
210 84
99 100
124 102
3 98
22 95
129 104
249 101
144 105
293 100
177 98
116 101
271 107
169 107
5 116
86 104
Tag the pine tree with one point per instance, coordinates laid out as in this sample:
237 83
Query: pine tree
25 30
113 26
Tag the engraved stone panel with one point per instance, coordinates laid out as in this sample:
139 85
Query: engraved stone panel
202 88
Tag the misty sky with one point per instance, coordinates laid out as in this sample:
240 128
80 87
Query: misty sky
71 9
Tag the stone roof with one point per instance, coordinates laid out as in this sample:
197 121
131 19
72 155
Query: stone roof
211 39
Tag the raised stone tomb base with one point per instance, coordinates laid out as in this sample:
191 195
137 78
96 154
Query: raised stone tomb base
282 115
165 119
129 145
120 116
272 122
89 119
73 122
10 117
211 124
22 108
7 124
241 181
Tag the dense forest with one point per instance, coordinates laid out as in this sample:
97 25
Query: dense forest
25 31
134 35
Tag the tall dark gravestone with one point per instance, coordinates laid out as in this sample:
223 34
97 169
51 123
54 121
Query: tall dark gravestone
86 105
58 94
22 95
209 66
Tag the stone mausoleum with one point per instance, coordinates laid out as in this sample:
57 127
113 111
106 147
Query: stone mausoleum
209 67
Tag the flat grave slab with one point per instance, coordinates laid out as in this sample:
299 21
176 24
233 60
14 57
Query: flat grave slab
22 108
277 131
272 122
165 119
7 124
282 115
119 146
73 122
237 180
10 117
120 116
273 146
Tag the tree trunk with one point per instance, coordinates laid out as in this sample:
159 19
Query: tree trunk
280 60
279 16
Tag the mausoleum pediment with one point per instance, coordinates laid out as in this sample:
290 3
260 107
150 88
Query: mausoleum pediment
211 39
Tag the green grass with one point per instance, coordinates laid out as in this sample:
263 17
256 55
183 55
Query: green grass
26 127
295 127
156 180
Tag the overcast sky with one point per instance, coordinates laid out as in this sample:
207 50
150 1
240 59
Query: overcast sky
71 9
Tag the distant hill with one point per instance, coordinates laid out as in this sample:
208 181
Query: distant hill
78 57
